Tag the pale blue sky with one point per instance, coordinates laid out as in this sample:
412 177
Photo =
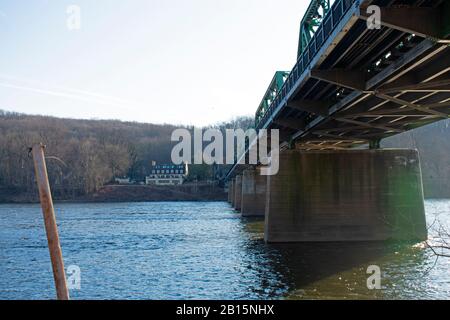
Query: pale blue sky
161 61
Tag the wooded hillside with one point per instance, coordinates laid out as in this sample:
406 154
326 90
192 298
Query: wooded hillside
84 155
433 143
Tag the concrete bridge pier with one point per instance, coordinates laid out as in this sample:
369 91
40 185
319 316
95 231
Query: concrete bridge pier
230 192
238 192
348 195
233 191
253 193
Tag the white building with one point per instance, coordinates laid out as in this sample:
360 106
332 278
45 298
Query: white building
167 174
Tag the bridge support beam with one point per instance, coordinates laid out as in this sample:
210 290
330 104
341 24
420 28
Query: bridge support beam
348 195
253 193
238 192
425 22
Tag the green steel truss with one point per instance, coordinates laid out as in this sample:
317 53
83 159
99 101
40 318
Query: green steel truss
275 86
311 21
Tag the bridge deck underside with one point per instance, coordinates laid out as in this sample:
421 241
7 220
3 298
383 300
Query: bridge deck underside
372 84
362 116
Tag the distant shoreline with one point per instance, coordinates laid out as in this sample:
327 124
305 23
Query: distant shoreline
134 201
220 197
132 193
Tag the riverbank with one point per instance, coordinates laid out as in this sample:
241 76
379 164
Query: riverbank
130 193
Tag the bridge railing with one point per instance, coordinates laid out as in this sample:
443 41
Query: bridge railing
328 25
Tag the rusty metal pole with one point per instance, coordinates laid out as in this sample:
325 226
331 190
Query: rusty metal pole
51 228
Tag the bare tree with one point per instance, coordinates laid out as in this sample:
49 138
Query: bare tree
440 244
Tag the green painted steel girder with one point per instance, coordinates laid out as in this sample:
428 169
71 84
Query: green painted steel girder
311 21
314 15
275 86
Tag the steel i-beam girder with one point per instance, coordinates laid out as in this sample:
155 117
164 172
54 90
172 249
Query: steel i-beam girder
433 23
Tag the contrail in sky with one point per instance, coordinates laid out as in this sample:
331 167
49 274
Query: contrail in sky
69 93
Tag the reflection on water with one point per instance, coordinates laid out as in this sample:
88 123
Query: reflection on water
204 251
339 271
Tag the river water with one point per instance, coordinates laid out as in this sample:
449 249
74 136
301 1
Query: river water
186 250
